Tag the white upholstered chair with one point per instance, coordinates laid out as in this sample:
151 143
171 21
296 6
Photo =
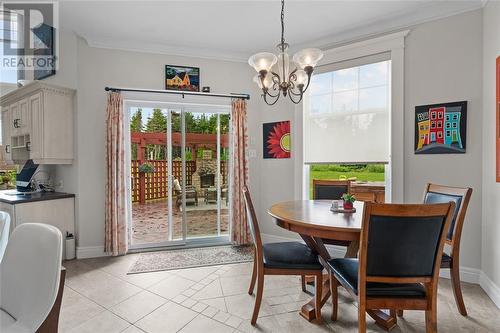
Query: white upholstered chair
4 232
29 277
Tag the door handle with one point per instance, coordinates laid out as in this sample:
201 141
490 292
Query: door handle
7 149
28 146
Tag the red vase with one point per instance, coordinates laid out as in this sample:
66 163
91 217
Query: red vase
348 205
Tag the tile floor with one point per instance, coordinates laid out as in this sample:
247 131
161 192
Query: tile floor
100 297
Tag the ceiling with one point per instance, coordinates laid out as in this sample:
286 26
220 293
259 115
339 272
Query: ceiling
233 30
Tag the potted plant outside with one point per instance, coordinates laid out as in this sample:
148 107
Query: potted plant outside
348 201
146 168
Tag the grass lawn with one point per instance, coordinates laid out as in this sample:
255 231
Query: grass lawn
361 175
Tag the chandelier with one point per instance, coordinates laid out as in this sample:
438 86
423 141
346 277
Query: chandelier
280 80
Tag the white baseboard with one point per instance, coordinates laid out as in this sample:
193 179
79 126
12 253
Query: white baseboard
467 274
490 288
84 252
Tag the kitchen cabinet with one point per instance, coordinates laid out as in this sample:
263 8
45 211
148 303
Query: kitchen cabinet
56 209
37 124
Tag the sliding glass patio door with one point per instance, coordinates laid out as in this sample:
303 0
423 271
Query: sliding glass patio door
206 150
179 172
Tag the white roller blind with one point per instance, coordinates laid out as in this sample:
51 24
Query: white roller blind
347 112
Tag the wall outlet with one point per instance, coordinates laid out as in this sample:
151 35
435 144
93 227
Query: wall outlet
59 184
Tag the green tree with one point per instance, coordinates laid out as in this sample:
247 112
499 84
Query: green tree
136 121
157 122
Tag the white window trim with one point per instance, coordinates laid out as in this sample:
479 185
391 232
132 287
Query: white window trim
393 43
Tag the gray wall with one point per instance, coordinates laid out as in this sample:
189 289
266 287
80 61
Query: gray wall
490 262
443 63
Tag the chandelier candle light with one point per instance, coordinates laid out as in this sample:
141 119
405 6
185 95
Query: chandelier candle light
279 80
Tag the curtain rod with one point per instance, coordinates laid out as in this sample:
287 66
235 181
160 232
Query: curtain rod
175 92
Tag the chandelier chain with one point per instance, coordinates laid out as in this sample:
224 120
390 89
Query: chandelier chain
282 22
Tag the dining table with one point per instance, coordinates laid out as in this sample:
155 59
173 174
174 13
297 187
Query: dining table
318 226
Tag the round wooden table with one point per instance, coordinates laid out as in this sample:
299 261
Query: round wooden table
317 225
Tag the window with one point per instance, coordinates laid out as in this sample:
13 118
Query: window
440 135
440 115
448 125
433 124
8 37
348 104
455 117
454 125
440 124
448 134
433 115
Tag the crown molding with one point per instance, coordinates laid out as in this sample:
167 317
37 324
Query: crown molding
173 50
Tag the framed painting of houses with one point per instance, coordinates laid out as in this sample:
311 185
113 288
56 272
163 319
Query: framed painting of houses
182 78
276 139
441 128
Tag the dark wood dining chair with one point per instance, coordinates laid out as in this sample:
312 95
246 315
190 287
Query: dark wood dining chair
287 258
460 196
329 189
399 260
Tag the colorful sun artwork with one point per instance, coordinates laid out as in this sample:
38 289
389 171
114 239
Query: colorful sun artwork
277 140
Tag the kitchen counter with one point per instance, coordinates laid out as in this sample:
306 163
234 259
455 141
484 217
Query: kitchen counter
38 196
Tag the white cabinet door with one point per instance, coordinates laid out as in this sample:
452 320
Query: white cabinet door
24 122
14 121
6 133
37 123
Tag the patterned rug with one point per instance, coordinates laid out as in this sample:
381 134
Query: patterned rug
188 258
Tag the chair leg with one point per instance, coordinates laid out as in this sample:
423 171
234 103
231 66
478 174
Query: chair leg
361 317
400 313
457 289
258 297
254 276
431 320
303 282
335 296
318 296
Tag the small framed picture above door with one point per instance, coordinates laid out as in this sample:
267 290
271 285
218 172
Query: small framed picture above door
182 78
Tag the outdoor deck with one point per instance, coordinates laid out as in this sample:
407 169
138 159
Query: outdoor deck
150 221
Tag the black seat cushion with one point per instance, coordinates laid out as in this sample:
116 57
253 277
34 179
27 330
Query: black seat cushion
435 197
346 270
291 255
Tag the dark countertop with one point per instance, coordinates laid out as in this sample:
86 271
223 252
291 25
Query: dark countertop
39 196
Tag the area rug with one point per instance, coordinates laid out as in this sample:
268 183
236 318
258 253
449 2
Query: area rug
188 258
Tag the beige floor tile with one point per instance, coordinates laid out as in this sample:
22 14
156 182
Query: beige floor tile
212 290
146 280
132 329
205 325
169 317
105 322
235 285
218 303
138 306
195 274
171 286
76 309
102 288
210 311
242 306
199 307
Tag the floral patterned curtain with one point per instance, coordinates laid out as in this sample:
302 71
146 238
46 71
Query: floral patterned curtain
116 238
239 225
